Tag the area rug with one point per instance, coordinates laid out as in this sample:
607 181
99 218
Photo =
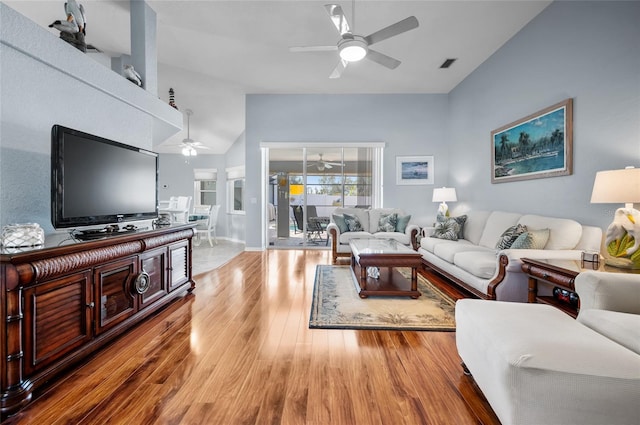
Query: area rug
337 305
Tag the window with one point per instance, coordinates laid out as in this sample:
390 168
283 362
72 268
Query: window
235 190
205 186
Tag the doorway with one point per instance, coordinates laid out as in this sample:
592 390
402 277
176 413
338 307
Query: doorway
306 184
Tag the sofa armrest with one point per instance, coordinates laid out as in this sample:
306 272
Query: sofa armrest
609 291
412 231
335 227
334 232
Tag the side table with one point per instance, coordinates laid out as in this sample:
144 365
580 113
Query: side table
560 274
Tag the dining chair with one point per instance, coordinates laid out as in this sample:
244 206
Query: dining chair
208 227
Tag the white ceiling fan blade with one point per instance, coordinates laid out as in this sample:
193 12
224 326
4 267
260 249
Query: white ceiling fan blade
398 28
337 164
337 72
382 59
338 18
327 166
304 49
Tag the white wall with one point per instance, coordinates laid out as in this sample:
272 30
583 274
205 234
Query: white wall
413 124
588 51
45 81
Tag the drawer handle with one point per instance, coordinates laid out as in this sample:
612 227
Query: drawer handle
91 304
545 275
142 283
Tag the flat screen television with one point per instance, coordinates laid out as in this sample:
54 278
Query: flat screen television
99 181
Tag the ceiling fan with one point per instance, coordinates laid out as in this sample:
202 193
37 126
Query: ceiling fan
189 145
321 164
353 47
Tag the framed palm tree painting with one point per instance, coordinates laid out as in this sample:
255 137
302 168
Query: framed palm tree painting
537 146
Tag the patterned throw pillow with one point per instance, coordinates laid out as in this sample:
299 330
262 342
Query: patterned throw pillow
339 220
531 239
401 225
510 235
387 222
447 229
353 223
460 220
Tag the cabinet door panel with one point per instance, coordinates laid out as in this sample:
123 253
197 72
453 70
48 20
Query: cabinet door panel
179 264
114 298
154 263
57 319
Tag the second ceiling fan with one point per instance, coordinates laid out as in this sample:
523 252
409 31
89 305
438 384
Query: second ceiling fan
321 164
353 47
189 145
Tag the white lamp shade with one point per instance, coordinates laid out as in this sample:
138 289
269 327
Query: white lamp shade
617 187
444 194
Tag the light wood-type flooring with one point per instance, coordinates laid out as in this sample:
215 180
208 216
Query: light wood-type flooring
239 351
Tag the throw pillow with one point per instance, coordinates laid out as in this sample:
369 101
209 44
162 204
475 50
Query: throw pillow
401 225
447 229
387 222
531 239
338 219
460 220
353 223
510 235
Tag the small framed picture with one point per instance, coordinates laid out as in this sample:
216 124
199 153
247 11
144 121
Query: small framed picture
414 170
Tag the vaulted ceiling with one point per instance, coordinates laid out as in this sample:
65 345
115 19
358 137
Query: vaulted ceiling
212 53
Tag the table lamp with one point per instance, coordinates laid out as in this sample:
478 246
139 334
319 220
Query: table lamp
444 195
622 239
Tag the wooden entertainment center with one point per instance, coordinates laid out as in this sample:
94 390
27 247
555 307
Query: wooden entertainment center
61 303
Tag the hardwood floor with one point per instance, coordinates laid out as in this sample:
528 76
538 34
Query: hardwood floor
239 351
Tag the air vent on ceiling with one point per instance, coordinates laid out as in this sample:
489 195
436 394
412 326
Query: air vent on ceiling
447 63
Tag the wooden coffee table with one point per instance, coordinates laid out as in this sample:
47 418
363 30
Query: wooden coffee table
385 255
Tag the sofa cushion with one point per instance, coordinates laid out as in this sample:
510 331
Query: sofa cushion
403 221
347 236
510 235
496 224
623 328
429 244
531 239
402 238
447 229
447 251
564 233
353 223
479 263
474 225
387 222
338 219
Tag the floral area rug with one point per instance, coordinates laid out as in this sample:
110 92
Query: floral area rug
337 305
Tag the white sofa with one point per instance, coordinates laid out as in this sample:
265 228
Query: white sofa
369 219
474 263
537 365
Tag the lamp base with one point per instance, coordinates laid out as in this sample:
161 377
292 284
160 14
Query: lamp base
621 263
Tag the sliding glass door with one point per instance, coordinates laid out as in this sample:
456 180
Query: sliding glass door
307 184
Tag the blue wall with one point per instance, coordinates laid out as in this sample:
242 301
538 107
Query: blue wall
588 51
412 124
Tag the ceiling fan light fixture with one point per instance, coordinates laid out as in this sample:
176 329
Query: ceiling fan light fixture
353 49
189 151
